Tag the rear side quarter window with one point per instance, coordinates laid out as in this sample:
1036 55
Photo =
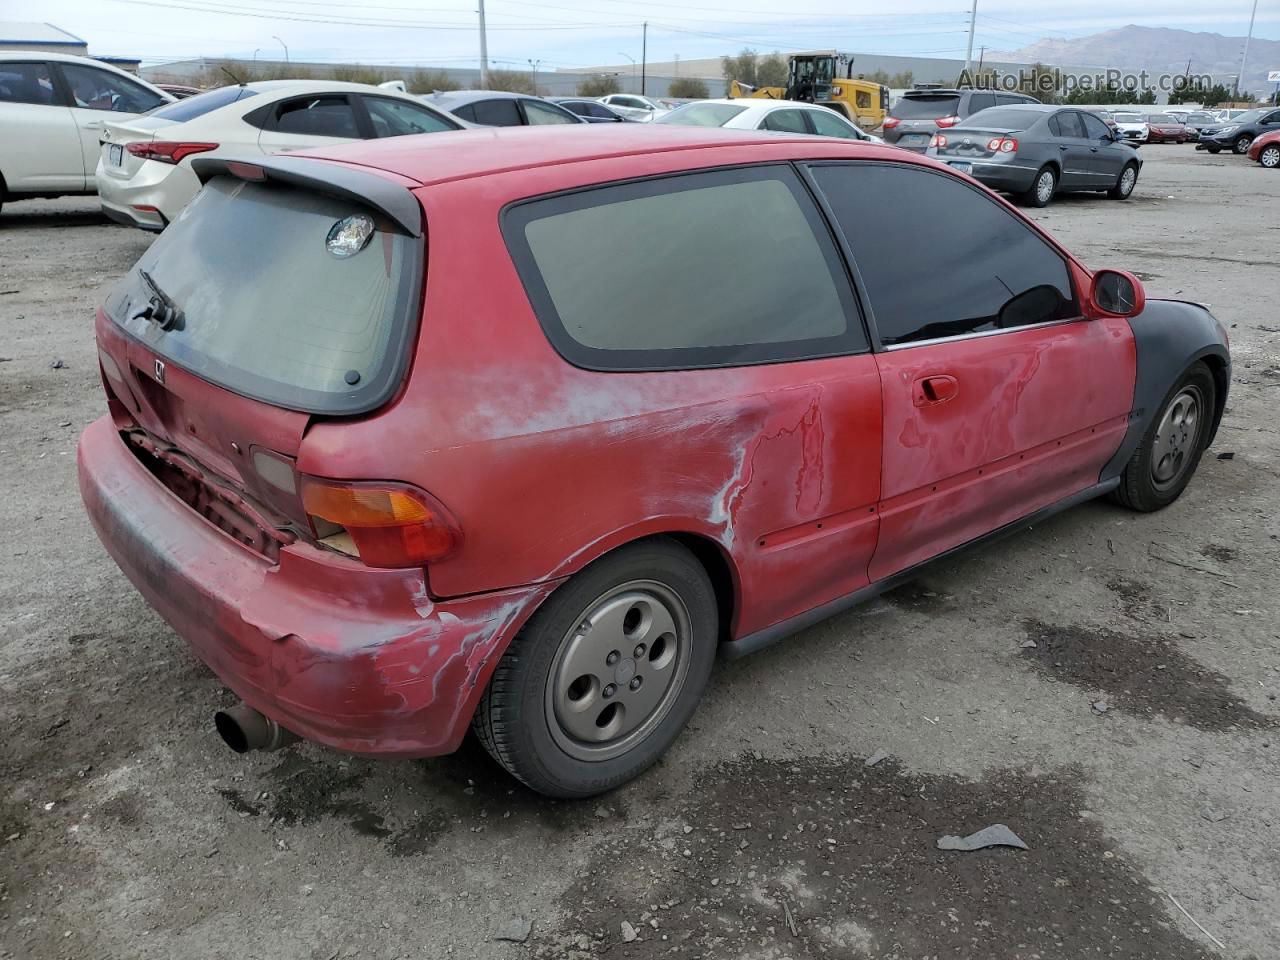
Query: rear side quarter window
658 274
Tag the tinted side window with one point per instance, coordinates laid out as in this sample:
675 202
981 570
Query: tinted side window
788 121
980 101
497 113
588 261
1094 128
466 112
27 83
1070 124
1006 99
323 116
986 270
1272 118
101 90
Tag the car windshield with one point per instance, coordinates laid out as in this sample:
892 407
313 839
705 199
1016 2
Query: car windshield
702 114
1127 117
1160 118
201 104
1249 116
1003 118
1201 118
928 107
285 295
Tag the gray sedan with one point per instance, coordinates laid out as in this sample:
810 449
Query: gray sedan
1033 151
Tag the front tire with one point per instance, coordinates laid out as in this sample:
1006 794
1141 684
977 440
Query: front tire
1042 189
1127 180
1242 145
1170 451
606 673
1270 156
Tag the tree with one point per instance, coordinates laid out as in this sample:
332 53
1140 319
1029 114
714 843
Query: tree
430 81
690 88
771 71
1209 95
511 81
902 80
1042 82
744 68
599 86
879 76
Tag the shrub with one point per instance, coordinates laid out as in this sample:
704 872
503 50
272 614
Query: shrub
689 88
599 86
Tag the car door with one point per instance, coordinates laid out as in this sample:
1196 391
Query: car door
97 96
1106 156
40 143
314 120
999 399
1074 151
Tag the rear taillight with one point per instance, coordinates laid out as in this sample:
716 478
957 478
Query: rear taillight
891 122
937 141
167 151
1002 145
390 524
947 121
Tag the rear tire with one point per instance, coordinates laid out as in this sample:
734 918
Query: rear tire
1042 189
606 673
1242 144
1214 150
1125 183
1170 451
1270 156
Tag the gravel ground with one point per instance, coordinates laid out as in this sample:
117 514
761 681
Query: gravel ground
1134 747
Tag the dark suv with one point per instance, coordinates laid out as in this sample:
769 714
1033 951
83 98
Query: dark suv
1238 135
919 114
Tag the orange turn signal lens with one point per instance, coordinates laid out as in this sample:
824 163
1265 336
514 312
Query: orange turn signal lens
392 524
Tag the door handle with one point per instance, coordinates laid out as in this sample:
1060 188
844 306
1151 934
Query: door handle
936 389
1062 146
93 125
1093 149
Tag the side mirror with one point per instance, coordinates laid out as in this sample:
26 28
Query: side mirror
1116 293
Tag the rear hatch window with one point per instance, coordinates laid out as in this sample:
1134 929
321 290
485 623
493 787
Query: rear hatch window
301 300
928 107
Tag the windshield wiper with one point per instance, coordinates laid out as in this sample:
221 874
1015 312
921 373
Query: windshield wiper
161 308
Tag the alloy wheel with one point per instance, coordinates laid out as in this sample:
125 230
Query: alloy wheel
1044 187
1270 157
1127 181
1177 437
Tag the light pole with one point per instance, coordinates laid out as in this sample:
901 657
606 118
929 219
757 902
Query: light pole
534 65
286 48
633 65
644 54
1244 57
484 50
255 55
973 19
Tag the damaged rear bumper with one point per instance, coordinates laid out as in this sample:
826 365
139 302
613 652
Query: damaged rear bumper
358 659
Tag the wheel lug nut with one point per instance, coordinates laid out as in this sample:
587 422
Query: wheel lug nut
613 658
635 683
609 691
639 651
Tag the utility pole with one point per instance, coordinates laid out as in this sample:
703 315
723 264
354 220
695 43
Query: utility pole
484 51
982 55
973 19
644 55
1244 58
534 64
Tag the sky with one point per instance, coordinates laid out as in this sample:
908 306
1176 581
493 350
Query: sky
575 33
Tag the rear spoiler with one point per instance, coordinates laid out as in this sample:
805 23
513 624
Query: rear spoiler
321 176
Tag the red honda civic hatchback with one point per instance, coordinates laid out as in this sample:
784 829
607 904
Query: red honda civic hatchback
516 430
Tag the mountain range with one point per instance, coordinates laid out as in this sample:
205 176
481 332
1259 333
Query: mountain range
1158 50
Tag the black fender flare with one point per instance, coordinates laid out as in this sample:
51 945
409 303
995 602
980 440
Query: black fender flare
1168 337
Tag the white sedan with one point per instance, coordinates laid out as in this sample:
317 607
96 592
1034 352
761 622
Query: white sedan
52 110
144 171
783 116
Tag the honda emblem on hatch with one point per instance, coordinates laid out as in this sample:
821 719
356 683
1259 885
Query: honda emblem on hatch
159 371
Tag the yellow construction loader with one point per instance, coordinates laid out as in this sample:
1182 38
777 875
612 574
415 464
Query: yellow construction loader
826 77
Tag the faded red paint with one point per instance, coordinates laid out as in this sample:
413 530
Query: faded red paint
811 478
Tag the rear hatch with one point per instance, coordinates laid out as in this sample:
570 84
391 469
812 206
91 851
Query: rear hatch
917 114
271 301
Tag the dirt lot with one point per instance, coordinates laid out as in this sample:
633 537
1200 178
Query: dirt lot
1134 746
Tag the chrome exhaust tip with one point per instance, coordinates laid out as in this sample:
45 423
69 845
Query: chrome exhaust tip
243 728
